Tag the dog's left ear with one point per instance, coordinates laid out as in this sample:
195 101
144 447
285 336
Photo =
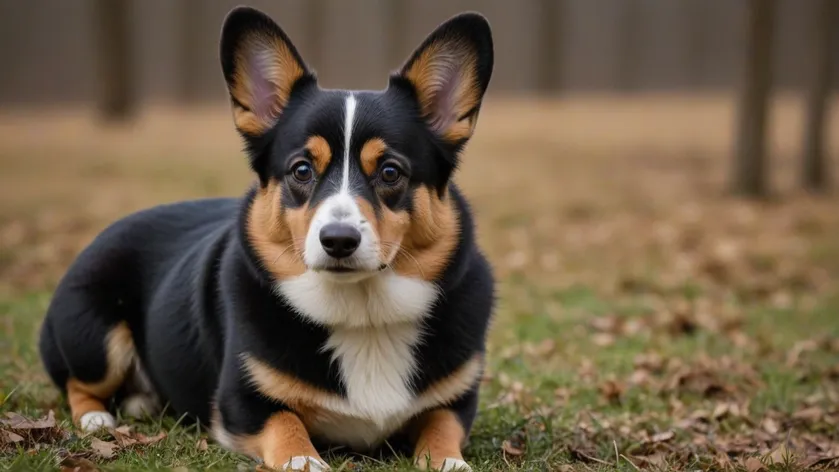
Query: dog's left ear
261 67
450 72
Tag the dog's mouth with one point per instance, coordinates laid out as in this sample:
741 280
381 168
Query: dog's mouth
339 269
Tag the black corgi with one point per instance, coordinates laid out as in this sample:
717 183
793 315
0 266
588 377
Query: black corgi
342 302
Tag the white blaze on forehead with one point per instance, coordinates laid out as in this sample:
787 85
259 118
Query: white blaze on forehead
348 125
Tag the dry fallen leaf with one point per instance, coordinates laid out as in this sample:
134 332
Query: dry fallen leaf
77 464
104 449
662 437
770 426
512 450
16 421
603 339
781 455
612 390
148 440
753 464
810 414
8 437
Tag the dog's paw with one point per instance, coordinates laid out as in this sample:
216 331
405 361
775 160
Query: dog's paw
139 406
307 463
451 464
96 420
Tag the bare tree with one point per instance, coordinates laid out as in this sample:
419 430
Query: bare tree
750 169
815 173
113 39
549 26
190 47
630 47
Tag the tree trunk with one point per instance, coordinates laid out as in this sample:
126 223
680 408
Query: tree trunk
629 55
750 169
549 31
190 50
116 100
816 169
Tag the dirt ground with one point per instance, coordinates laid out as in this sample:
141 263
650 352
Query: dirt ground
647 317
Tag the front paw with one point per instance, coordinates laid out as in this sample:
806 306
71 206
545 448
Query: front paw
451 464
307 463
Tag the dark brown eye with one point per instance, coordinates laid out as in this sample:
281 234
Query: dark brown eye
390 174
302 172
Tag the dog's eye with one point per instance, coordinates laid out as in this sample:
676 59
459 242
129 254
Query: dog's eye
302 172
390 174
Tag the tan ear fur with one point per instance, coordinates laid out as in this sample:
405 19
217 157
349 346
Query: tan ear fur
265 72
445 78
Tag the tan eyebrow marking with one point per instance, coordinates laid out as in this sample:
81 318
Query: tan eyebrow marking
372 150
320 151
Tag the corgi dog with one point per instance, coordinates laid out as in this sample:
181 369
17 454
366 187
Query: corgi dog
341 302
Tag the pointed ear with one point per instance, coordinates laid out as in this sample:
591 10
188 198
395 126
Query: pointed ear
261 67
450 72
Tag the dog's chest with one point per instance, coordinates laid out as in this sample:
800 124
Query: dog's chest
376 367
374 330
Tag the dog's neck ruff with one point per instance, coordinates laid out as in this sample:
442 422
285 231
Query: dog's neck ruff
378 301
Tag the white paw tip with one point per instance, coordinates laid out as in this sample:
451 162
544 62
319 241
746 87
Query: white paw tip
302 462
451 464
95 420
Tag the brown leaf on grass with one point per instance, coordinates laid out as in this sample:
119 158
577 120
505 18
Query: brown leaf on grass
584 455
8 437
829 461
726 409
542 350
770 426
662 437
612 391
753 464
123 429
781 455
698 380
18 429
148 440
603 339
652 362
16 421
126 438
513 446
809 414
77 464
104 449
794 354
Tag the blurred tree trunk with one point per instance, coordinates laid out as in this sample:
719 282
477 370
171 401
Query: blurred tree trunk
750 169
190 50
816 170
550 36
116 99
629 55
315 14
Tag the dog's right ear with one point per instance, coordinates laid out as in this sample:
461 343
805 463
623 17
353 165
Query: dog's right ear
261 67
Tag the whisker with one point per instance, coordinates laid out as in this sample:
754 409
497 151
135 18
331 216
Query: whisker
290 246
400 250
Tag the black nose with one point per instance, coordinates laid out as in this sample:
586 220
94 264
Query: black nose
339 240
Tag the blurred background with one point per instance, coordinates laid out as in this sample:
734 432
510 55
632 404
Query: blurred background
652 179
110 105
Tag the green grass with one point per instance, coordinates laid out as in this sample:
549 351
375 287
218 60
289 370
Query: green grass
520 400
644 319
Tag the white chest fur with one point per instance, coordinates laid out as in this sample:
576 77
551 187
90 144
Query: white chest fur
375 325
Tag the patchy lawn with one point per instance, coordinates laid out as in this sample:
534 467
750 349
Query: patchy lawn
646 320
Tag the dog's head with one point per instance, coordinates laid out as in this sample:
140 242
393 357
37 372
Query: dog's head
354 182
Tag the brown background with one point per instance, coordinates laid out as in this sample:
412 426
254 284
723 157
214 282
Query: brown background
48 47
